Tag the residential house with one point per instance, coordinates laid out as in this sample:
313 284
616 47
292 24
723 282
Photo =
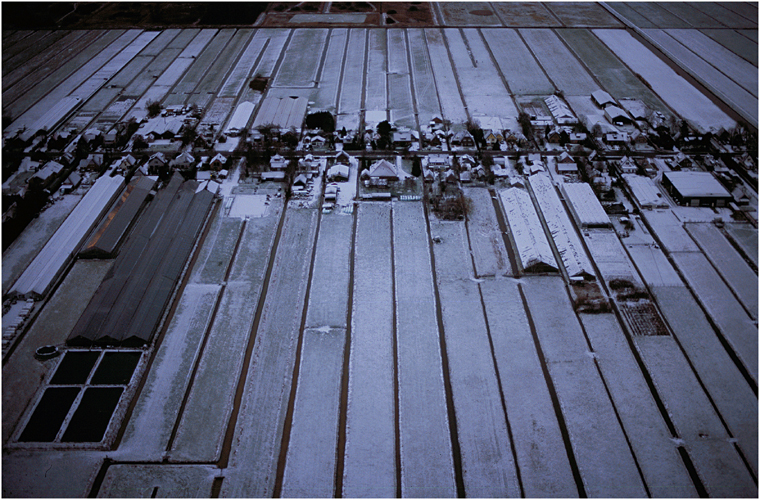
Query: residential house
639 138
71 183
183 161
218 162
577 137
402 139
300 181
554 135
338 173
382 169
627 165
566 164
157 164
616 138
278 162
462 139
343 158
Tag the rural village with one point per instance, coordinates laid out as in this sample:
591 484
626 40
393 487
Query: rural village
396 249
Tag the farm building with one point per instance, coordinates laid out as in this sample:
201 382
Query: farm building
45 269
240 119
617 115
105 242
584 206
637 108
566 164
602 98
560 111
645 191
285 112
50 120
532 246
697 189
127 307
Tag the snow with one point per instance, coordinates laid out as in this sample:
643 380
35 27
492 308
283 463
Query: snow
730 265
369 463
661 465
49 473
526 230
302 57
520 69
486 238
452 107
199 42
149 480
599 445
422 75
745 237
544 470
561 65
485 446
239 74
584 205
653 265
353 72
680 95
669 231
400 101
375 88
214 256
261 417
565 237
347 189
326 96
427 469
610 257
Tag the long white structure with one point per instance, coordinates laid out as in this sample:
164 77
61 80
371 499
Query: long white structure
529 237
645 191
240 118
283 112
55 255
563 233
584 205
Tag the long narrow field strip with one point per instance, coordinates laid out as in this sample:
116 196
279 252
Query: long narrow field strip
176 481
149 429
652 443
260 421
559 63
728 63
326 96
165 39
680 95
58 52
669 230
468 14
694 17
545 469
302 58
370 463
196 45
239 74
349 107
729 264
400 101
427 469
35 41
745 237
614 76
148 76
422 75
724 15
311 461
486 240
720 304
631 16
202 63
209 403
103 97
604 459
610 257
748 11
488 465
702 435
736 43
20 56
519 14
452 107
582 14
658 16
375 86
183 39
520 69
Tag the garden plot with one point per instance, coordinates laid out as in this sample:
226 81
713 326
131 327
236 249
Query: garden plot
171 481
614 76
370 466
679 94
199 42
721 305
488 465
62 65
327 95
730 64
729 91
650 439
214 257
727 261
632 16
242 69
700 431
427 469
544 467
302 57
726 386
150 73
183 39
399 85
25 248
748 11
259 427
486 239
559 63
311 459
750 34
449 96
483 88
604 459
36 52
164 38
216 115
201 65
105 95
724 15
375 88
653 265
422 76
669 231
209 404
733 41
580 14
351 88
29 46
520 69
525 14
745 237
20 378
468 14
149 429
221 67
277 38
610 257
692 16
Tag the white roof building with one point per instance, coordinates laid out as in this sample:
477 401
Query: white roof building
584 205
240 119
560 110
602 98
645 191
532 246
383 169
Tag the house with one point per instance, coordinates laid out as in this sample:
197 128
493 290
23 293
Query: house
639 137
627 165
450 176
560 111
343 158
463 139
577 137
308 163
402 139
218 162
438 161
554 135
331 192
492 137
91 134
71 183
566 164
383 169
92 163
616 138
465 176
48 173
436 123
204 175
602 98
696 189
429 175
278 162
157 164
617 115
273 176
300 181
338 172
467 161
183 161
741 196
124 163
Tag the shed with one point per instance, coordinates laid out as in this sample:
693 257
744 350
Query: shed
617 115
697 189
566 164
602 98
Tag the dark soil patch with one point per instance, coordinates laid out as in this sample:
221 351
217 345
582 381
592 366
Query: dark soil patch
90 420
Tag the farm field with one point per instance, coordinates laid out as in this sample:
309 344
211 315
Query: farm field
520 14
574 15
518 66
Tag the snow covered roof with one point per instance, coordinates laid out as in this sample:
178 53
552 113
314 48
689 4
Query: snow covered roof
615 114
645 191
383 169
338 171
50 119
285 112
584 205
637 108
602 98
696 184
241 117
219 158
530 240
560 110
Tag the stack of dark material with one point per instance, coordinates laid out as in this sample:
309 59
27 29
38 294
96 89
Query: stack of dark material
104 243
128 305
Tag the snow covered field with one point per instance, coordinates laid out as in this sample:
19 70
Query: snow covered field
681 96
399 85
173 481
301 59
350 102
422 74
240 72
329 81
445 80
560 64
486 239
745 237
520 69
375 81
669 230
